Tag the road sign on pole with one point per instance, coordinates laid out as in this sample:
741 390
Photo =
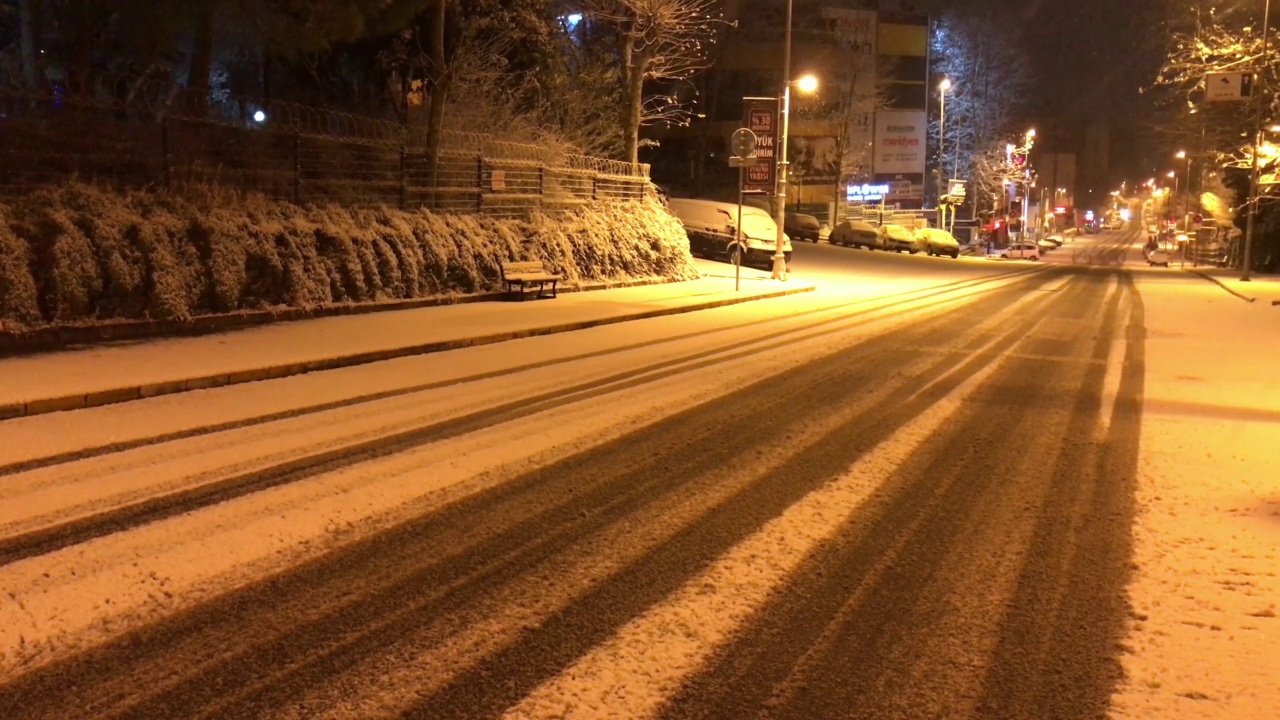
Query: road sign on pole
762 120
1226 87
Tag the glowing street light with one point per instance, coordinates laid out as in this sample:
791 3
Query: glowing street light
943 87
805 84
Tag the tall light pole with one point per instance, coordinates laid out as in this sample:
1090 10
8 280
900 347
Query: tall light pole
806 84
943 87
1261 103
1182 155
780 180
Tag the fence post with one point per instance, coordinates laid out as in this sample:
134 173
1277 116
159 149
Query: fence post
480 182
297 168
404 182
164 149
595 187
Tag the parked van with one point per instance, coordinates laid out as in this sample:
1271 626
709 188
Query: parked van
711 227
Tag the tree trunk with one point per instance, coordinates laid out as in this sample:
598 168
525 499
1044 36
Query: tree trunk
27 11
201 61
633 108
439 88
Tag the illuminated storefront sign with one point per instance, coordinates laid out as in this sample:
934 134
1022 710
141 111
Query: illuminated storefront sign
866 192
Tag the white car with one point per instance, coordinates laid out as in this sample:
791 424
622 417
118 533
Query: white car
1021 251
1159 256
899 238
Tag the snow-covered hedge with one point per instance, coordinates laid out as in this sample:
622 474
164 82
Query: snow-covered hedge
81 253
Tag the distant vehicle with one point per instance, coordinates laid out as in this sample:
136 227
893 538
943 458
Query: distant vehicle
855 233
1159 256
1057 240
899 238
1046 244
711 226
939 242
1022 250
802 227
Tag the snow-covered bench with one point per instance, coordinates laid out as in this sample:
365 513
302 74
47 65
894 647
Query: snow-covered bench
527 274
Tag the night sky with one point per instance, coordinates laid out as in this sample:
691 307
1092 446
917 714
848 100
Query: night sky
1090 59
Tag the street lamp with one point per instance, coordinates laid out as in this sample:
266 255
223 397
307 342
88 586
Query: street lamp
805 84
943 87
1184 155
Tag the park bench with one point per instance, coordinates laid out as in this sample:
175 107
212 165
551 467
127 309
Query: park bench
527 274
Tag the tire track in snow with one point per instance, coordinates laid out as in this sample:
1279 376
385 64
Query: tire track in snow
241 639
888 303
890 618
1059 653
64 534
642 666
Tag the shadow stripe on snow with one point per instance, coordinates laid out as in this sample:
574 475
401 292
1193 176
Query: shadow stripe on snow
219 637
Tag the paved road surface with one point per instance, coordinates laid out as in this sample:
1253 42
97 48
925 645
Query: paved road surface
820 507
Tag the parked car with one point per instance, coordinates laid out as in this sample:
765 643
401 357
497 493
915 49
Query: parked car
1046 244
1057 240
899 238
802 227
855 233
711 226
939 242
1159 256
1020 250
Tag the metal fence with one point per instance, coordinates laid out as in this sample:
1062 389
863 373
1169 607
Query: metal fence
133 134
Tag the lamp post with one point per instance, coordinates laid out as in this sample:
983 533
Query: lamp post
943 87
1184 155
1173 199
805 84
780 178
1260 91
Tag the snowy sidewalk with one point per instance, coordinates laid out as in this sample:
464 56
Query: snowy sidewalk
101 375
1261 289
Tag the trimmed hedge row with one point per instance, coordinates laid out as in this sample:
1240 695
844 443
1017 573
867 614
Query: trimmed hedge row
80 253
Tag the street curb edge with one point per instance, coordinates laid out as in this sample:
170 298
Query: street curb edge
113 396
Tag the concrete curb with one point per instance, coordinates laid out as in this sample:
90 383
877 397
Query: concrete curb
60 337
1222 285
113 396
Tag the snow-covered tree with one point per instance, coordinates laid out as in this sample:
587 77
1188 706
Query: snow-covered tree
986 101
660 44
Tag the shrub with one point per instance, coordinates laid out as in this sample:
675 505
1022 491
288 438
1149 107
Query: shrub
80 252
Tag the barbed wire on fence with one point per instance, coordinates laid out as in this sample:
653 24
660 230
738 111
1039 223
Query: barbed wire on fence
152 132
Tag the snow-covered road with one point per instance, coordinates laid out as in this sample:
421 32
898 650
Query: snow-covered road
932 503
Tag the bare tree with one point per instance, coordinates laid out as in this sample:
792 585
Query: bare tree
1215 42
989 81
660 42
